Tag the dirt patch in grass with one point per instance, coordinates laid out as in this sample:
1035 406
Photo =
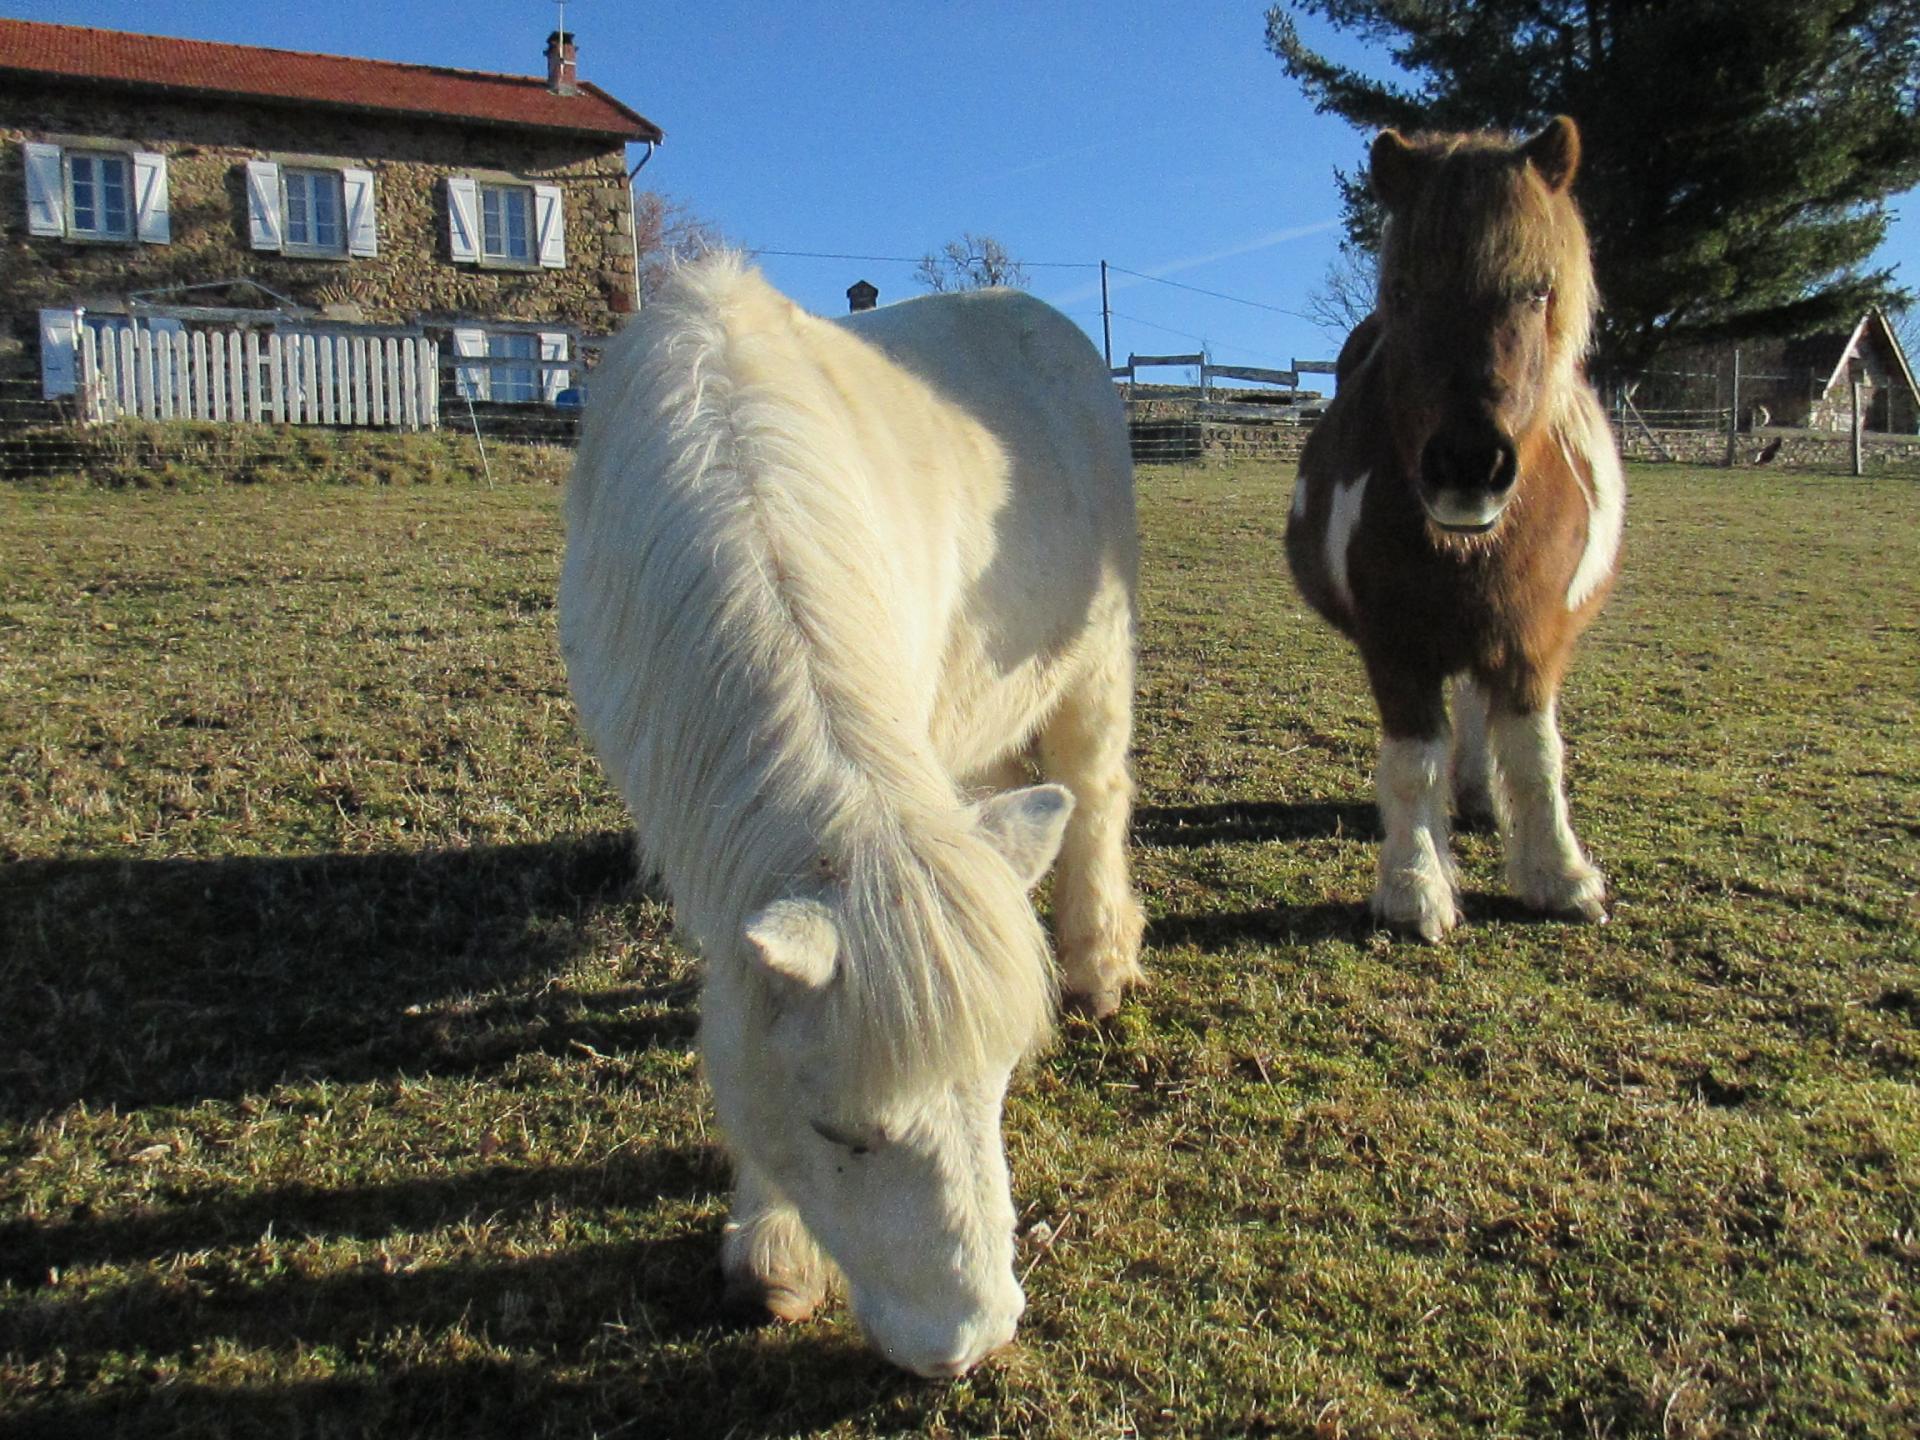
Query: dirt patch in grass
347 1081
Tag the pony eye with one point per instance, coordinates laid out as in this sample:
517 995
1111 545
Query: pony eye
1540 296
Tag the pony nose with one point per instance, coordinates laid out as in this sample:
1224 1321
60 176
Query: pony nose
1480 461
941 1346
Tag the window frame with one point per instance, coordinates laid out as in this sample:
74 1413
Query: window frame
308 178
516 385
129 200
528 230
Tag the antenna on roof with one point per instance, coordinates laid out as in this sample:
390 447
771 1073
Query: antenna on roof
562 5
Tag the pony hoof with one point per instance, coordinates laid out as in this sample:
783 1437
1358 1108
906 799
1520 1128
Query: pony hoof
1415 911
1092 1004
752 1301
1581 896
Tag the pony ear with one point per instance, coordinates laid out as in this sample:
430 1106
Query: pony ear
1393 164
795 939
1026 827
1555 152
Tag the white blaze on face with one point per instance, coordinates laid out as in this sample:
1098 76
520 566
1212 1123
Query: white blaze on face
1343 519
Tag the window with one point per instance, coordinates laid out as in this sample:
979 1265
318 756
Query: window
529 367
98 191
513 384
95 194
506 223
503 223
313 211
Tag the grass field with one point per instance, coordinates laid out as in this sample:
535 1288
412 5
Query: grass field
346 1087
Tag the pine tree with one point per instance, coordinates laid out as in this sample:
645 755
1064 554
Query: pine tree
1737 154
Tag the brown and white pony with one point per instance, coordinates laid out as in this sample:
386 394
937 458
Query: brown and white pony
1458 511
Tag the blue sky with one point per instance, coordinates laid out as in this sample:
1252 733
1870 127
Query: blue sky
1161 137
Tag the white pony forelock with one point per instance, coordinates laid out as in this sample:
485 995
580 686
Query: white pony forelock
758 720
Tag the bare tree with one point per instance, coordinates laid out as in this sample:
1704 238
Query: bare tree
1345 295
1906 329
666 233
973 262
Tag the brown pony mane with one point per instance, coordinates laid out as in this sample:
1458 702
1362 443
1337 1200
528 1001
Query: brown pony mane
1488 214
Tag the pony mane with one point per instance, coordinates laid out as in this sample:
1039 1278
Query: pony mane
1484 217
757 730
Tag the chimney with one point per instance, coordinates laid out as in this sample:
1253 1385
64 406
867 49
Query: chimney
862 295
562 64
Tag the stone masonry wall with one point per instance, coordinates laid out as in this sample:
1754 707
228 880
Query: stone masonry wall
1819 448
207 142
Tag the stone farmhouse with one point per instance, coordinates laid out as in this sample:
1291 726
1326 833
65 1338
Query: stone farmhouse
167 184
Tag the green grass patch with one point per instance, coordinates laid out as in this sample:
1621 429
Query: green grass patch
195 455
347 1085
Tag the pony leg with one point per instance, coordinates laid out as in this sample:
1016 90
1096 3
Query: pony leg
769 1264
1545 864
1416 888
1098 921
1473 785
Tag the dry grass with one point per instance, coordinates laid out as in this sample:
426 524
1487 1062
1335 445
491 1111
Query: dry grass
346 1089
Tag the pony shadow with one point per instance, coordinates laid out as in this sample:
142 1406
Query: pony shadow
1254 822
567 1294
1282 925
139 982
719 1389
622 1312
217 1218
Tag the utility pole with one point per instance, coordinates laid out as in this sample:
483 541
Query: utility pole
1106 318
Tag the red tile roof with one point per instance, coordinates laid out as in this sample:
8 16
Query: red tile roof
116 58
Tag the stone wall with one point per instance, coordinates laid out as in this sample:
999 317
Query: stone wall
1811 449
410 281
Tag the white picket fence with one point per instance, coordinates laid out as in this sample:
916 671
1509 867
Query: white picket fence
289 378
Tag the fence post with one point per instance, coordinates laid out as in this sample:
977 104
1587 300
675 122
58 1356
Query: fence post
1733 415
1853 378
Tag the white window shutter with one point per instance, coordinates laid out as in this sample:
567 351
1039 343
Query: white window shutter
463 219
46 190
357 188
473 381
263 204
59 364
153 222
553 346
550 226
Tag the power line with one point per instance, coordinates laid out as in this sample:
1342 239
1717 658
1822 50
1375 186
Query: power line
1216 294
1155 325
916 259
1076 265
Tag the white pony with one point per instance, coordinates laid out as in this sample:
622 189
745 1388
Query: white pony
825 583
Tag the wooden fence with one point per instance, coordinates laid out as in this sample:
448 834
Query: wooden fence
288 378
1210 373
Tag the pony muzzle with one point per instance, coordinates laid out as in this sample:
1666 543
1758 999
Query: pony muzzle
1466 478
940 1346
